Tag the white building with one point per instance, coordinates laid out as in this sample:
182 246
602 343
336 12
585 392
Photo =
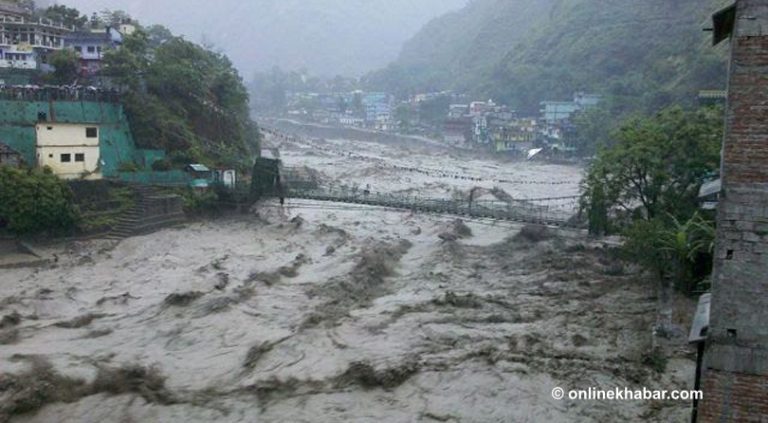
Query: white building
24 41
70 150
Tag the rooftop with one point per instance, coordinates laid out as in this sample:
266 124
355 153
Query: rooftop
5 149
11 8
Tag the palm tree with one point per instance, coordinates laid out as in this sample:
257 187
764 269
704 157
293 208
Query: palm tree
683 244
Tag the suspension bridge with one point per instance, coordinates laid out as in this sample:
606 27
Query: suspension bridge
271 179
554 211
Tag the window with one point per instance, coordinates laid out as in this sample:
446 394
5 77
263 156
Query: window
91 49
66 158
79 49
79 157
91 132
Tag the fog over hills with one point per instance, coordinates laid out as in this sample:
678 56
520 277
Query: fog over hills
327 37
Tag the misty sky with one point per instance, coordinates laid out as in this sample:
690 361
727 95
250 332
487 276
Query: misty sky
327 37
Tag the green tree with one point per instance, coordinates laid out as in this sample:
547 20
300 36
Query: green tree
675 250
183 98
403 117
35 201
435 110
655 166
593 129
357 104
115 18
67 66
68 16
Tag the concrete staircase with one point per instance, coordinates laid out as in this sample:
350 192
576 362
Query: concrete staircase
151 211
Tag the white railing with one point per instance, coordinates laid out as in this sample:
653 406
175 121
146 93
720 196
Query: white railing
36 44
18 64
39 22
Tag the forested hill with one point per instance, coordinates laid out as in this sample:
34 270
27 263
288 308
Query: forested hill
521 52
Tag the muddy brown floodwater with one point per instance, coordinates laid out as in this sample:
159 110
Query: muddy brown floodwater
323 312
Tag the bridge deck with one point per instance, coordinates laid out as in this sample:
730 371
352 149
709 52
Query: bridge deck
516 211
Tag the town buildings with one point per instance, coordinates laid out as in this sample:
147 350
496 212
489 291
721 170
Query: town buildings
559 112
70 150
90 46
76 138
26 42
456 119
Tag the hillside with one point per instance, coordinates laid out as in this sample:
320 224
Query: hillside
522 52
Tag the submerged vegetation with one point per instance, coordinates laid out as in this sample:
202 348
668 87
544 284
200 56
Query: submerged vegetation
645 185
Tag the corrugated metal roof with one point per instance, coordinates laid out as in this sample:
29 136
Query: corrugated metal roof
199 168
700 320
711 188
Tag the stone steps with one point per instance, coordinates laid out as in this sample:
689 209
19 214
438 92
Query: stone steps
149 213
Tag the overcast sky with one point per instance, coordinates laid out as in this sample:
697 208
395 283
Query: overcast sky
328 37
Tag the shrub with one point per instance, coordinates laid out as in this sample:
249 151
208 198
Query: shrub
128 167
35 201
163 165
200 203
680 251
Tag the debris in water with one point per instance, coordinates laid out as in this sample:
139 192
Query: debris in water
533 233
223 281
363 373
10 320
182 299
79 322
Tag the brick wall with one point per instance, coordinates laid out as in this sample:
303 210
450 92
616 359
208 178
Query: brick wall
735 397
745 157
735 374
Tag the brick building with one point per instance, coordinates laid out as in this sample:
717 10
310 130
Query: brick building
735 371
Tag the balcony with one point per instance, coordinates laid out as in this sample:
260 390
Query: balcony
44 23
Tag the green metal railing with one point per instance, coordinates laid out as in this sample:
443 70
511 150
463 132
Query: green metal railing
554 211
169 178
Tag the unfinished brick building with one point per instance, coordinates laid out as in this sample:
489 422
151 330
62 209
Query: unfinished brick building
735 373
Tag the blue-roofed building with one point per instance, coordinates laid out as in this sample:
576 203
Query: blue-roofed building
554 112
91 46
557 112
378 107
